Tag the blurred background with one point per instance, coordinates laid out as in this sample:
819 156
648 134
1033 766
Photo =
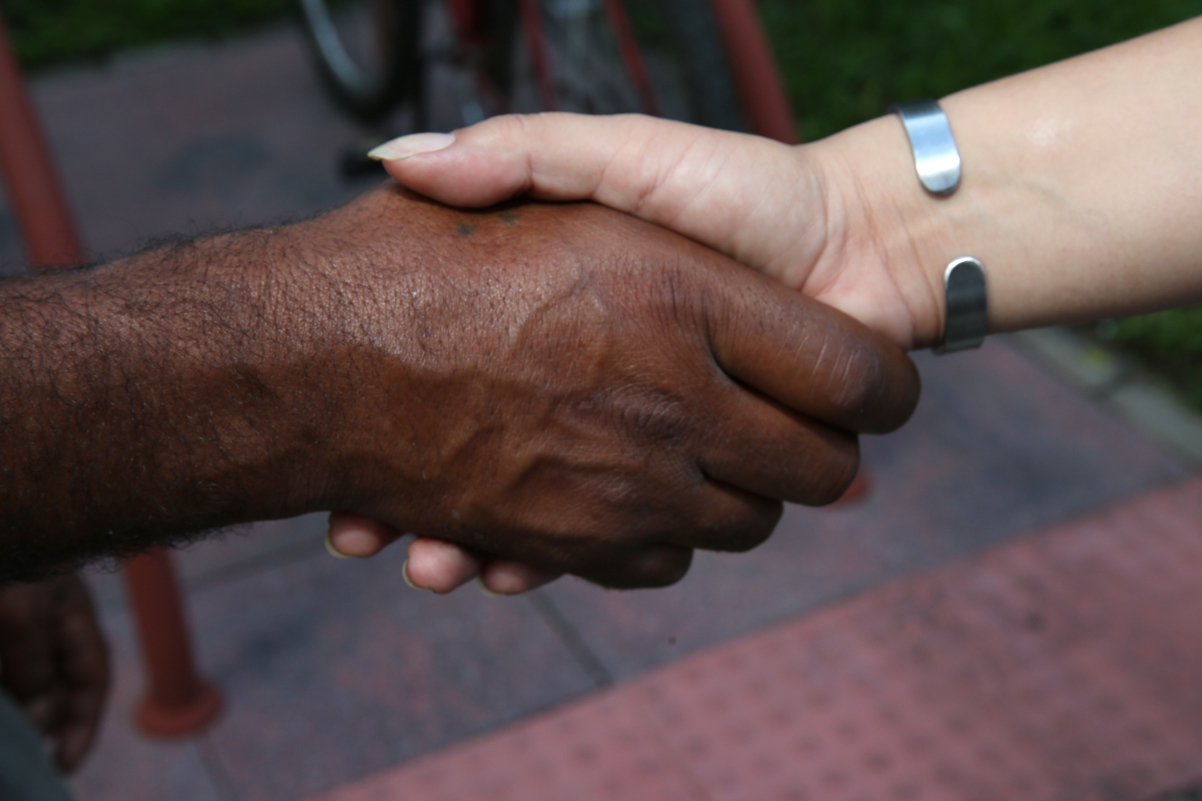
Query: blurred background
172 117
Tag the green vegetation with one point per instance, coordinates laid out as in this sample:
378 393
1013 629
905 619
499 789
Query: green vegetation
1170 342
844 61
46 32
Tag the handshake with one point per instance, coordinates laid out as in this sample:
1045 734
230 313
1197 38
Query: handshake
631 395
537 385
534 388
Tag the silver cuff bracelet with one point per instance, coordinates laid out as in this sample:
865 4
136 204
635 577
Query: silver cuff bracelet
967 319
935 155
937 160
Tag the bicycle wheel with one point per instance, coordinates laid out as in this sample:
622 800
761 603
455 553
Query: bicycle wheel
660 57
366 51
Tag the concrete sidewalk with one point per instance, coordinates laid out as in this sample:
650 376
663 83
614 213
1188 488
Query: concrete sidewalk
336 671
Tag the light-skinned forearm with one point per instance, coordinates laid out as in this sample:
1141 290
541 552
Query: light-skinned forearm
1081 190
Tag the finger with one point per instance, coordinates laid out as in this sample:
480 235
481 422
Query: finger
352 536
502 577
808 356
44 711
706 184
84 661
27 667
81 716
440 567
648 567
73 745
770 451
723 517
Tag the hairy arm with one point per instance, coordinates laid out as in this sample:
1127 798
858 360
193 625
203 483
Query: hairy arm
154 397
559 385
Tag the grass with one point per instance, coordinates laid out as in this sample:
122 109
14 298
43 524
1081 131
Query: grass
844 61
48 32
1170 342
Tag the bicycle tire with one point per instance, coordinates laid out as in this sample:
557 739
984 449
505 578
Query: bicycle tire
678 39
366 87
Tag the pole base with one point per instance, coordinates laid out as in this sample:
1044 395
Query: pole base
180 720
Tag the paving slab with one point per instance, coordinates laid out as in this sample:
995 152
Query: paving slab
333 669
1062 666
124 764
1116 380
191 138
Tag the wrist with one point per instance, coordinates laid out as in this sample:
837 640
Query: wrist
885 236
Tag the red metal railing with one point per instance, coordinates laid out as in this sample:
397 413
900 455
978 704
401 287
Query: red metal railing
757 79
177 700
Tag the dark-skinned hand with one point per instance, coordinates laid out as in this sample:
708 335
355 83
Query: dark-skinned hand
557 385
54 662
615 396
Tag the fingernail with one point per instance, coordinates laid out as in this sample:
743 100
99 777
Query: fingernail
334 552
409 581
412 145
484 588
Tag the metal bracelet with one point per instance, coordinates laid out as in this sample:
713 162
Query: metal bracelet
967 319
935 155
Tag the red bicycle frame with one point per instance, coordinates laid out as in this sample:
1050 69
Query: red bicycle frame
470 23
759 85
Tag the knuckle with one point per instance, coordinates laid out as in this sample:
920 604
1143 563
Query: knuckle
757 526
652 567
739 530
661 566
658 416
506 126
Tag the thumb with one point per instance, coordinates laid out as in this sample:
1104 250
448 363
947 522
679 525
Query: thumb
753 199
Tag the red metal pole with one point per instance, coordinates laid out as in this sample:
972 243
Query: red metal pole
177 700
632 59
532 26
756 77
43 215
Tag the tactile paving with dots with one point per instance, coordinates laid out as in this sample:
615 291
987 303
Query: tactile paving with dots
1064 666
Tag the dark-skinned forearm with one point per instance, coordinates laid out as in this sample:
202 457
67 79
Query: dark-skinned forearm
153 397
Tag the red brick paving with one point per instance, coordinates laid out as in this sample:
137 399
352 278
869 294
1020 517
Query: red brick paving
1063 666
